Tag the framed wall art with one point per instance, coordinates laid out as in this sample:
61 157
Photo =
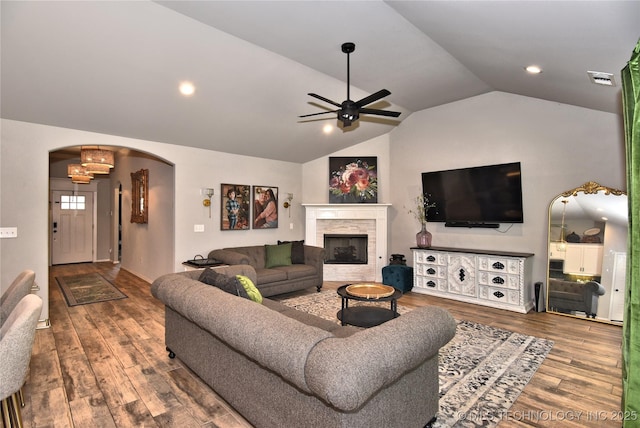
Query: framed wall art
235 206
353 180
265 207
140 196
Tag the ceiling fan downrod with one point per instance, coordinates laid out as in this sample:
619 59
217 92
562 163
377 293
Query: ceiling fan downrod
347 48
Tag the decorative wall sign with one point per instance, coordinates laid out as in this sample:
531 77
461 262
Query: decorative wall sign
265 207
235 206
353 180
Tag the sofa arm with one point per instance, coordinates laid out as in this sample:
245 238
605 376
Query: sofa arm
346 372
314 256
229 257
594 288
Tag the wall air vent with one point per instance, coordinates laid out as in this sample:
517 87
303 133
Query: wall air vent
600 78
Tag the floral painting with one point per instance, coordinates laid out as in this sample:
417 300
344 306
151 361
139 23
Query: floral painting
353 180
235 200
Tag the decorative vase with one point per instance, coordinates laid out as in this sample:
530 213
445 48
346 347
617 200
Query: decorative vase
423 238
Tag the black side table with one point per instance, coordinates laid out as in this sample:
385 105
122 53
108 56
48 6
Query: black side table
367 315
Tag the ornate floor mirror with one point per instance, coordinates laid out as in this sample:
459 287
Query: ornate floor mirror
587 253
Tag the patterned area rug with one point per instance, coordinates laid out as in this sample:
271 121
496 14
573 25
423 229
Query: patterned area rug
88 288
483 369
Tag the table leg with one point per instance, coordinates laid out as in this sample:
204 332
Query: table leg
394 308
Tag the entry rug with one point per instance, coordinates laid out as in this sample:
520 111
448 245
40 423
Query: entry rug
483 369
88 288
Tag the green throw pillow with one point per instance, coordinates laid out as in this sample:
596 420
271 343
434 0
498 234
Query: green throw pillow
277 255
250 288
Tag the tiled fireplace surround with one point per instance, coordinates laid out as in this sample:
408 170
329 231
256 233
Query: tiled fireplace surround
369 219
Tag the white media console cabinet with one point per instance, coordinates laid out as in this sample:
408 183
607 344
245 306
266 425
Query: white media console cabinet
490 278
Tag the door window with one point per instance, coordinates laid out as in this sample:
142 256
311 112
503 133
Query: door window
70 202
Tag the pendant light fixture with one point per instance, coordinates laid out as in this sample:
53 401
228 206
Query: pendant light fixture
79 174
97 161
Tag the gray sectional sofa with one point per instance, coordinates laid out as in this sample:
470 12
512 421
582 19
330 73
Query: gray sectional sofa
304 269
279 367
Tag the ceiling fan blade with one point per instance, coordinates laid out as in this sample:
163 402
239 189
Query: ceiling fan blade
380 112
371 98
316 114
326 100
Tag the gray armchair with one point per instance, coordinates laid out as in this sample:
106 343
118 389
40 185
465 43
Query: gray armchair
20 287
570 296
16 343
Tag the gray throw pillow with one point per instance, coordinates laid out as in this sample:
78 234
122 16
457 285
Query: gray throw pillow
297 251
223 282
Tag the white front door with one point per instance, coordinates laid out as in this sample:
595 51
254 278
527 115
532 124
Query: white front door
72 227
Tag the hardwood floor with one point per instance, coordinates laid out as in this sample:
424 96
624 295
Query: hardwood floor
105 365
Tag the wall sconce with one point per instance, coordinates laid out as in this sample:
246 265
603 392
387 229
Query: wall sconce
287 202
207 202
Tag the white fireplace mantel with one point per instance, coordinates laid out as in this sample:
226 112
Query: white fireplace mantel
345 216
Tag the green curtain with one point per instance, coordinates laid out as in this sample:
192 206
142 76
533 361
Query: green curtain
631 326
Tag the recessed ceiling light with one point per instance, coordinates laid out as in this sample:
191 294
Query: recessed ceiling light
187 88
533 69
327 129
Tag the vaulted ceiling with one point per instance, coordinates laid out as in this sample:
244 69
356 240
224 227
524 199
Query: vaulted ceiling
114 67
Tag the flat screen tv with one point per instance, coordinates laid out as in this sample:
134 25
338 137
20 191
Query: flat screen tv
482 196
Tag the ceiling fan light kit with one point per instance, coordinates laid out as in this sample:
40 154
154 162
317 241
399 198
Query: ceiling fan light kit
350 110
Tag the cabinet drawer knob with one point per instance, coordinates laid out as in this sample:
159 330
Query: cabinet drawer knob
497 280
431 271
498 294
431 259
431 284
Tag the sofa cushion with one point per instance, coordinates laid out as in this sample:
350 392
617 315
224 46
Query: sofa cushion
223 282
267 276
250 288
297 271
277 255
297 251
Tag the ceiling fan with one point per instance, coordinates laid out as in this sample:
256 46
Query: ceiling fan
349 110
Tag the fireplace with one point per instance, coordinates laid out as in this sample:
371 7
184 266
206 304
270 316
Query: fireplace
346 249
353 220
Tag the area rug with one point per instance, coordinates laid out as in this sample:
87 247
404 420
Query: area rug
483 369
88 288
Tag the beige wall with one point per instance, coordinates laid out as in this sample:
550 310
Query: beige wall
560 147
25 147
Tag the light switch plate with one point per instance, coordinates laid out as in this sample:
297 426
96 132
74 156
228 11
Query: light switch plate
8 232
198 227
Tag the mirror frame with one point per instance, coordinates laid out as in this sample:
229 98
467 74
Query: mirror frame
140 196
590 187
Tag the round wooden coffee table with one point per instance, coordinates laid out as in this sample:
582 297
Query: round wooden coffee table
368 315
